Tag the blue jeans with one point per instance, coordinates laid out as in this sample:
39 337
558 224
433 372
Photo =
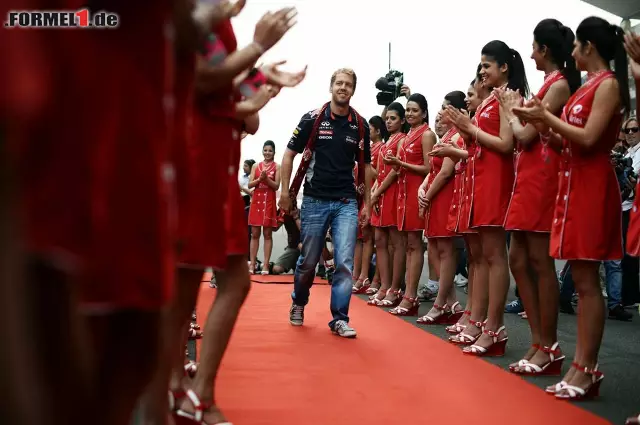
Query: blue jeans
316 215
613 283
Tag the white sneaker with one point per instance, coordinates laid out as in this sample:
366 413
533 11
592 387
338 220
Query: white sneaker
460 281
342 328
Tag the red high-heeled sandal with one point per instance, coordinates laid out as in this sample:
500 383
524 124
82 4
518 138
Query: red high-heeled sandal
440 319
552 368
391 304
375 299
497 347
522 362
362 288
466 339
404 311
575 393
456 328
454 314
556 388
197 418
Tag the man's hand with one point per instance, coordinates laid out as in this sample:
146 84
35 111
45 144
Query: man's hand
365 216
285 201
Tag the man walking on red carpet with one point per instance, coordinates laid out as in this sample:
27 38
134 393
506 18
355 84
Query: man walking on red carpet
332 140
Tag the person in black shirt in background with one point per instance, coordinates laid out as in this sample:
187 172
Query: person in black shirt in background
329 196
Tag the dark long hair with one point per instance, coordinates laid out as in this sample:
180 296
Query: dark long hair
558 40
422 103
503 54
456 99
376 121
608 40
399 109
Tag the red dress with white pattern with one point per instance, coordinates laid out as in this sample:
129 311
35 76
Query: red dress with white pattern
214 132
437 215
587 220
375 148
387 211
491 173
410 151
461 204
536 180
262 211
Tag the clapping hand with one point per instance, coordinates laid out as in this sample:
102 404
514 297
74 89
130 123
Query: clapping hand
441 150
263 175
532 111
459 118
282 78
508 98
391 160
273 26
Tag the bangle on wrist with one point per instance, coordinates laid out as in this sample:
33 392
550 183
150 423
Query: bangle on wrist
475 134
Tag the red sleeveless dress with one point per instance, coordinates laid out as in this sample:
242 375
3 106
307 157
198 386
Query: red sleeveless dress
587 220
458 221
491 172
536 180
387 211
437 216
410 151
375 148
262 211
213 134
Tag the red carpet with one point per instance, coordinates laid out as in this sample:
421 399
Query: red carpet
282 278
392 374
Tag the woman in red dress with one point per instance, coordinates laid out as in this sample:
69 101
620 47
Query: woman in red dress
217 115
390 252
362 261
435 197
531 208
586 227
412 165
476 309
265 178
491 172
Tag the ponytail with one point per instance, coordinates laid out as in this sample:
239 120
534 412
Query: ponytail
570 71
621 65
517 74
608 40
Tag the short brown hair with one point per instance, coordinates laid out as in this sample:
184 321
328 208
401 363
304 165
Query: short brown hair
348 71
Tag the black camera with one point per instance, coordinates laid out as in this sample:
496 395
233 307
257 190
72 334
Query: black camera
625 174
389 87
